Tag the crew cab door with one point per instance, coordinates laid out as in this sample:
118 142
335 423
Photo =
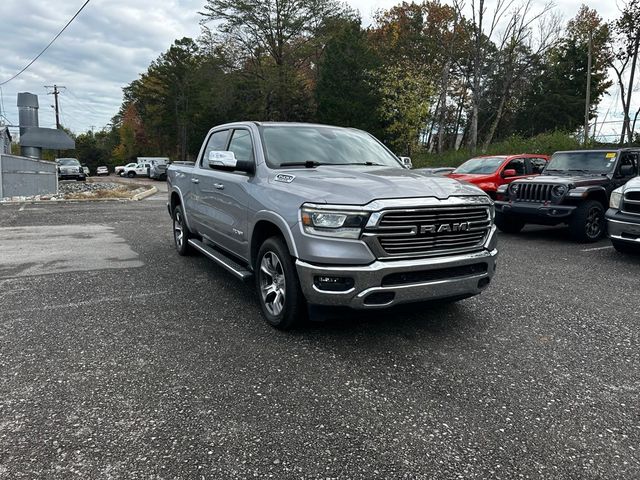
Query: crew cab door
225 196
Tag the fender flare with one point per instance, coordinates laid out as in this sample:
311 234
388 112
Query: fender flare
279 222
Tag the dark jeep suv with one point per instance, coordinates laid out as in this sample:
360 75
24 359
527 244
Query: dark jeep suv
574 189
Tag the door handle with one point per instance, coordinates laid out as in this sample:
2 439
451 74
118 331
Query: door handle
218 186
195 180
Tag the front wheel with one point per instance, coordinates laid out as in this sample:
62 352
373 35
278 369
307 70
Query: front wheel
587 223
508 224
181 233
278 287
131 174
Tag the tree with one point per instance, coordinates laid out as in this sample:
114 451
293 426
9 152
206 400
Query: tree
627 35
345 93
404 105
273 39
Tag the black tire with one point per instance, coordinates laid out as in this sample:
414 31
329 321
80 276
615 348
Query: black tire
508 224
276 277
131 174
587 224
181 233
625 247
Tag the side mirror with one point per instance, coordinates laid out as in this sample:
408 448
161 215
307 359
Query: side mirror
509 172
627 170
227 160
406 162
222 159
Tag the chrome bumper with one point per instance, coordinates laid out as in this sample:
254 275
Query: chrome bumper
368 280
624 231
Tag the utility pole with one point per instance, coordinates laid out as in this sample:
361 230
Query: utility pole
55 93
587 101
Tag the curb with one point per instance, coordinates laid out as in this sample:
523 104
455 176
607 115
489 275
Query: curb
139 196
147 193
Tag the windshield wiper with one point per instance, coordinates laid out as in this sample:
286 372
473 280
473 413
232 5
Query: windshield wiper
361 163
307 164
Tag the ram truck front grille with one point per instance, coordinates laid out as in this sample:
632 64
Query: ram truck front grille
631 202
430 231
533 192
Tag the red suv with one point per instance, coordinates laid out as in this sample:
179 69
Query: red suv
489 172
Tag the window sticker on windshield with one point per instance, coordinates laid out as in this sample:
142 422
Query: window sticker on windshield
611 155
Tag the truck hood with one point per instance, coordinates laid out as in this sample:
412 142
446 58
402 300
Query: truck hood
569 180
359 185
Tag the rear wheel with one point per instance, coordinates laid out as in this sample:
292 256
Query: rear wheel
508 224
587 222
625 247
181 233
283 305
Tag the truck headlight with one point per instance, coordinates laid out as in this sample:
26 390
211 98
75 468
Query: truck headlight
616 198
333 223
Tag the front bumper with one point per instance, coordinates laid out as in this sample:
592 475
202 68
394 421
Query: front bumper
533 211
624 227
382 284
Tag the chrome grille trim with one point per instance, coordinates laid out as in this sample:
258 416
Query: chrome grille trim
397 232
631 202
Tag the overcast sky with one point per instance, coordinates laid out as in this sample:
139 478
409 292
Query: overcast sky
112 42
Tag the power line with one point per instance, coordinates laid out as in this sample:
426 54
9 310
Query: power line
45 48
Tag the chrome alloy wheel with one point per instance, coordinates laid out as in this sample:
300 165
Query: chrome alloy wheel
178 229
272 283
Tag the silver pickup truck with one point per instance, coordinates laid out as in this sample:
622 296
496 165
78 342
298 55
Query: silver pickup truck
321 215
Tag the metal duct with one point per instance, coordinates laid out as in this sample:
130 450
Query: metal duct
27 111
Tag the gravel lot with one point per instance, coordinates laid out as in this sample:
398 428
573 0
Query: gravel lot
120 359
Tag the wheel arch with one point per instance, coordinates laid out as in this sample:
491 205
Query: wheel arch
598 194
269 224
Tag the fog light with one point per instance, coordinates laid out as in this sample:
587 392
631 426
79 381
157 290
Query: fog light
333 284
379 298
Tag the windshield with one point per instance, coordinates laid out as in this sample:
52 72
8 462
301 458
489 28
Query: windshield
68 161
480 165
319 145
596 162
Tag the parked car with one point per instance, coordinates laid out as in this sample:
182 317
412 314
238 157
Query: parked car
325 215
70 169
574 189
102 170
490 172
623 217
157 166
137 170
120 168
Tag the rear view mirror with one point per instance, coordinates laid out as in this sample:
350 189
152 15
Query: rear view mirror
509 172
219 158
406 162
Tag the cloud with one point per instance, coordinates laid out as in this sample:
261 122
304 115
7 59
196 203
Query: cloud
110 44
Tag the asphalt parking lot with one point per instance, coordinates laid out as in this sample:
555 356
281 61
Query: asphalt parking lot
120 359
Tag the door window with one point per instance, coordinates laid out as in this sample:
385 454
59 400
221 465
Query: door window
241 145
630 158
217 142
537 165
518 165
